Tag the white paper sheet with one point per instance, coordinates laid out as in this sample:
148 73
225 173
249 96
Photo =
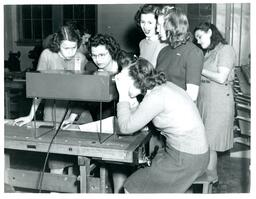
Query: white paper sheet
107 126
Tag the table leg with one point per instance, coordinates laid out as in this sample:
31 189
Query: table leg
7 111
84 165
103 178
6 166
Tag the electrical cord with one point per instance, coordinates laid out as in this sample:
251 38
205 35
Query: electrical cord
48 151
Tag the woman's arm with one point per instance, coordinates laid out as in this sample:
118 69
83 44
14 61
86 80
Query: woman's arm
131 121
220 76
194 65
225 62
24 120
43 60
192 91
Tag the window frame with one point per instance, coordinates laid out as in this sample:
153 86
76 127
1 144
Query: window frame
57 15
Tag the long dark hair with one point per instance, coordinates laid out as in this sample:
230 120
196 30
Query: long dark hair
145 76
67 32
216 37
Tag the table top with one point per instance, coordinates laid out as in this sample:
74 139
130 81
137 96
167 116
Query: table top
102 146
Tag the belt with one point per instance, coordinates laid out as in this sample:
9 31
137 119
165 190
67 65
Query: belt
205 81
208 81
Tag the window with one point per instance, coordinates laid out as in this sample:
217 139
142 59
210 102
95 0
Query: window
198 13
84 15
36 22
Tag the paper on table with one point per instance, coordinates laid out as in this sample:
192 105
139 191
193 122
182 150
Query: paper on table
107 126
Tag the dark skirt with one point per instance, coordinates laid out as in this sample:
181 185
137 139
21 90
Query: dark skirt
171 171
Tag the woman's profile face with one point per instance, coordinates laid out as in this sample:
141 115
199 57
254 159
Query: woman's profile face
68 49
160 28
148 24
101 56
203 38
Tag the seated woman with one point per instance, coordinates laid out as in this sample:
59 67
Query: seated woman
172 111
61 54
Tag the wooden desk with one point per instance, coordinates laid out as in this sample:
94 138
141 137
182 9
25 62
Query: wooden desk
84 145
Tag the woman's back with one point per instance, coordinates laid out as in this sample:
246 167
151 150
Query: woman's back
179 120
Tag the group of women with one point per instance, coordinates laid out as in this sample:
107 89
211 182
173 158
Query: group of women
186 93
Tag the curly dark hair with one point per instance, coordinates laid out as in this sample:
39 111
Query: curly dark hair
216 37
125 59
106 40
145 76
146 9
67 32
176 25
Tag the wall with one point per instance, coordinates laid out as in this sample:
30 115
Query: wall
115 19
11 36
8 39
118 21
236 28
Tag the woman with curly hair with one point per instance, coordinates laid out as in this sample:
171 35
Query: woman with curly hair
104 51
181 60
150 46
61 54
175 115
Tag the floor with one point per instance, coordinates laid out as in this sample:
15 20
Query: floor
234 173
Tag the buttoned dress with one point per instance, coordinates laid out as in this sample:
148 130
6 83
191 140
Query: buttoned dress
215 101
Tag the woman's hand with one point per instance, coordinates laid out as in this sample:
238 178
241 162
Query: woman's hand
122 84
220 76
66 123
22 120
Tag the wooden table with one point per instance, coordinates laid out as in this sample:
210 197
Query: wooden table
85 145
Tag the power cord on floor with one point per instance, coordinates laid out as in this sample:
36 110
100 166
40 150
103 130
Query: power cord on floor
48 151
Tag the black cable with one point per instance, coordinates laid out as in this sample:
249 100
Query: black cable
48 151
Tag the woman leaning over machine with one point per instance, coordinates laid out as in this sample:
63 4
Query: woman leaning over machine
169 107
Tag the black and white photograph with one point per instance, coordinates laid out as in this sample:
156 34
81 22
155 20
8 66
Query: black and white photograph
127 97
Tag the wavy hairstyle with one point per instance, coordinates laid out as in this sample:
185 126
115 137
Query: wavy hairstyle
145 76
176 26
125 59
67 32
146 9
106 40
216 37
